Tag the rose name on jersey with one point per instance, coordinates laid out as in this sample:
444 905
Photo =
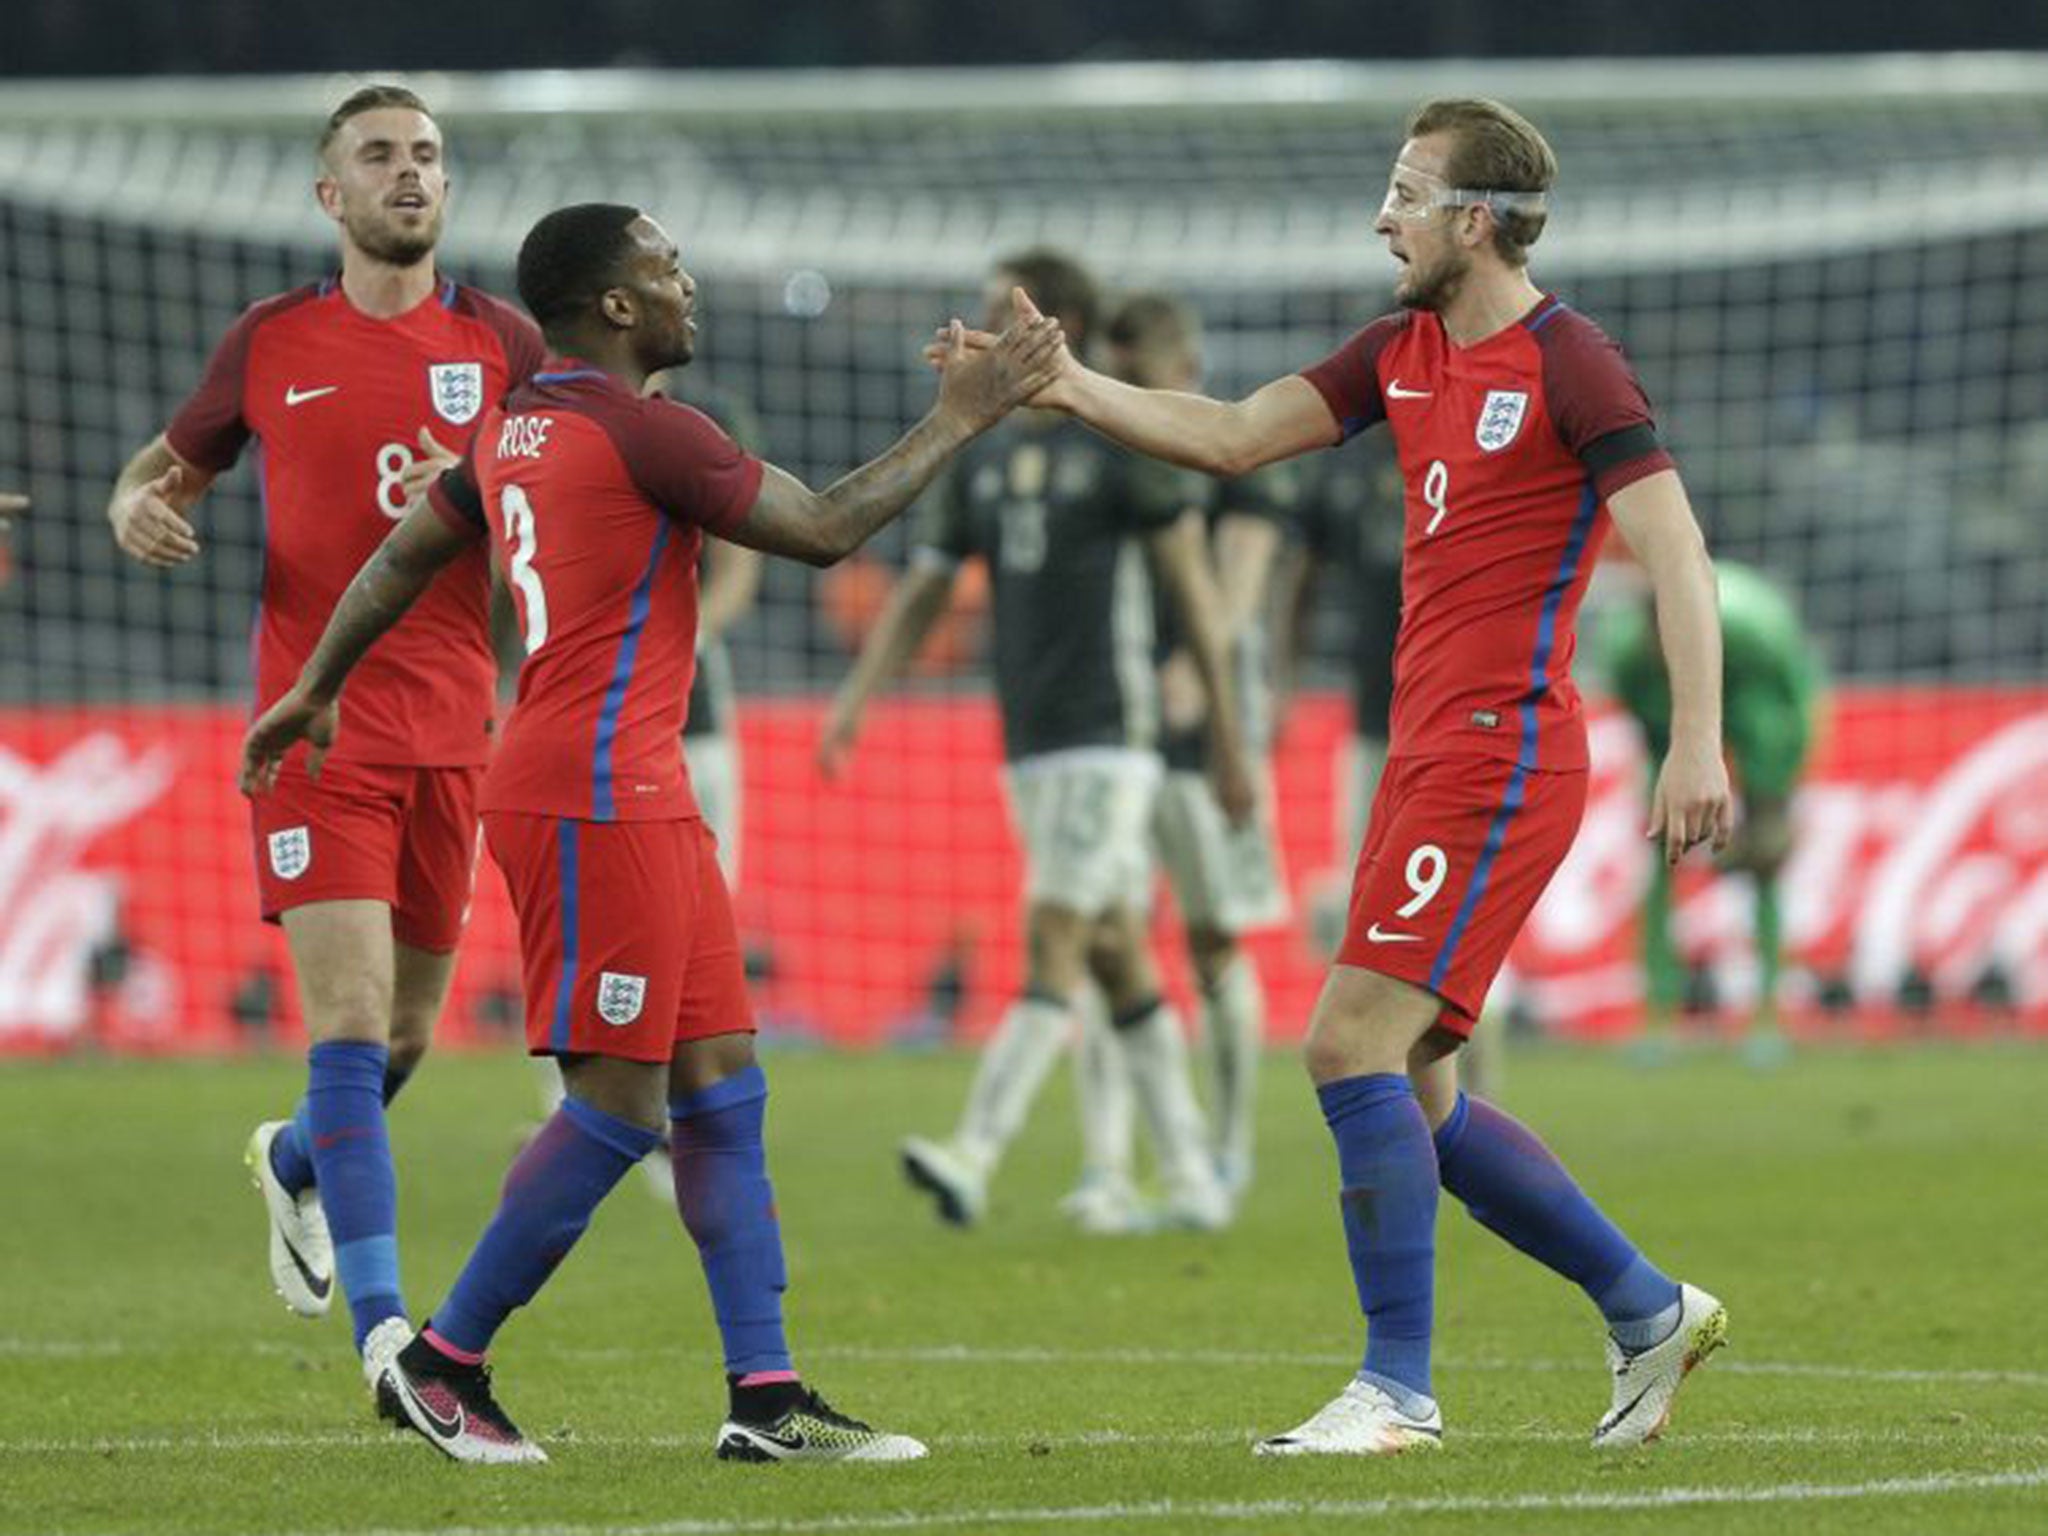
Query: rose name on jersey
523 437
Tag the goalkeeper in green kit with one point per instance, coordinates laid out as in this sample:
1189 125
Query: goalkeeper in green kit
1773 693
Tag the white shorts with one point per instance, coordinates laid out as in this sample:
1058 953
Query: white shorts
714 763
1083 815
1224 877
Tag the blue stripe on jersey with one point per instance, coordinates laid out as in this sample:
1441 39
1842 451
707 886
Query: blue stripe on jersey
447 293
1526 757
568 374
565 989
1545 315
602 807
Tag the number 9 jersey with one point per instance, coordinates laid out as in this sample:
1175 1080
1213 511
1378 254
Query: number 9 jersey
336 400
596 501
1509 449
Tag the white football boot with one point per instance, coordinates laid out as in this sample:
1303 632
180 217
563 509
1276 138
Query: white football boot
955 1181
1646 1380
380 1353
1362 1420
301 1252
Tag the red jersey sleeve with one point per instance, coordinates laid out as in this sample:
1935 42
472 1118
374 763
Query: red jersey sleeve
1349 378
209 430
687 466
518 337
456 498
1598 406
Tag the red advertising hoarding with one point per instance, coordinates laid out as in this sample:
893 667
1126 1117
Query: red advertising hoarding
886 904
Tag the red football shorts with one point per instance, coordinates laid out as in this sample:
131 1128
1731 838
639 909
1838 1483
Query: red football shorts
1458 851
626 937
366 832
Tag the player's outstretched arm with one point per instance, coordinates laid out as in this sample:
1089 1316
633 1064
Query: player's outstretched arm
915 604
389 583
1182 556
976 390
148 509
1220 437
1692 802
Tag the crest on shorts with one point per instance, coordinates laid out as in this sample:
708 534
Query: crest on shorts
290 852
458 390
619 997
1501 417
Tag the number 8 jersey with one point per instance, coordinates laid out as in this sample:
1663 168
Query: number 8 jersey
596 501
1509 450
335 400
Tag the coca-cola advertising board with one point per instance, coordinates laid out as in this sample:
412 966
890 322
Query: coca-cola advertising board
886 904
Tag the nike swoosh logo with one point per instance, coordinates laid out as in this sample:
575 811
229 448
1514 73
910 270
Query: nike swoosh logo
446 1429
1396 392
1622 1413
293 395
1379 935
314 1283
787 1442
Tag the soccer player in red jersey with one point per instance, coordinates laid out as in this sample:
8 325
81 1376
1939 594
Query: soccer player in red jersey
1521 433
596 501
356 390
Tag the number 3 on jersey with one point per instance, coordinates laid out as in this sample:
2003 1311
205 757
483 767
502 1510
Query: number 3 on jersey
524 538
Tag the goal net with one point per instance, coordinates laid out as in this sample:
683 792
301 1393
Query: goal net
1832 276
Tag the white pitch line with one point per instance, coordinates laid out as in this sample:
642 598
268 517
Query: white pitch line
1084 1439
972 1355
1269 1510
250 1440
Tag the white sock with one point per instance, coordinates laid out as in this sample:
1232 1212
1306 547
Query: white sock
1012 1070
1234 1028
1157 1056
1102 1096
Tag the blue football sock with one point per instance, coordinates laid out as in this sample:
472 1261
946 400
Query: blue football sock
351 1156
550 1192
728 1206
1388 1168
1514 1185
291 1149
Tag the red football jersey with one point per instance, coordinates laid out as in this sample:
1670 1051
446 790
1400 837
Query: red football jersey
1509 450
595 500
335 400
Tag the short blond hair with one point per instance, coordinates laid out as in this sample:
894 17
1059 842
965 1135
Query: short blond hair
1493 149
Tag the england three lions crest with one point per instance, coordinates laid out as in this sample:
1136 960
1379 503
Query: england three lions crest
1500 419
458 390
291 851
620 997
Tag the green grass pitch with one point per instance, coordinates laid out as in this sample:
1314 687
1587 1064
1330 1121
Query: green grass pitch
1877 1223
